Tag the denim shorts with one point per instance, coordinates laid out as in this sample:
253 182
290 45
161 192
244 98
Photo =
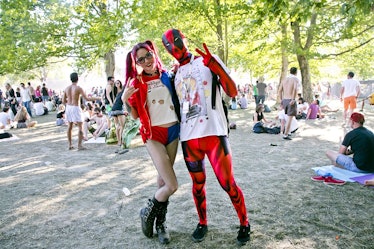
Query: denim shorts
348 164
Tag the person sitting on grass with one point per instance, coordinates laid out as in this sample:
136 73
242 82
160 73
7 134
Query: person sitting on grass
102 122
243 102
5 118
283 118
259 116
23 119
314 111
302 108
40 108
261 124
60 116
359 142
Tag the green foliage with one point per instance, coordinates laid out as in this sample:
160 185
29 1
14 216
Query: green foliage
98 29
31 32
245 34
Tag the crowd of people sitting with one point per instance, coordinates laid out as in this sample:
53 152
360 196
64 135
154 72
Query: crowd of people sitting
99 116
19 108
36 102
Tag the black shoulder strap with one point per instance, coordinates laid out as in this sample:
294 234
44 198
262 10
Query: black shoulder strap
215 83
175 97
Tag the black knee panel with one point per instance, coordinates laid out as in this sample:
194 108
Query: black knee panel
197 166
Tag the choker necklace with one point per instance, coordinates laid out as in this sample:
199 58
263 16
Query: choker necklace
150 74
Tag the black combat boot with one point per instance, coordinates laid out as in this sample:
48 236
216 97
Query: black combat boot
161 228
148 215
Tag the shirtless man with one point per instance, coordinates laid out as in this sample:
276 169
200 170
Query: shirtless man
73 111
288 93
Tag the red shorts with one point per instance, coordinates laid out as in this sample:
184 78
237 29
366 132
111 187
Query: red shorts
165 135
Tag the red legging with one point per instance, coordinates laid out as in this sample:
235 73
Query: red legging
217 150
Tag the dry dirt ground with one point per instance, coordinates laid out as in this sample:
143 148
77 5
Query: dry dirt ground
55 198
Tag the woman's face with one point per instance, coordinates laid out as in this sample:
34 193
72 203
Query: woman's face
118 84
145 59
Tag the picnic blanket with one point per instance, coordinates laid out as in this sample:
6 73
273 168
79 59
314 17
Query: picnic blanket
362 179
99 140
338 173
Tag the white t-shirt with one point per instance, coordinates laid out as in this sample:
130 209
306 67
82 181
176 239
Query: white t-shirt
160 104
193 83
49 105
4 118
39 108
25 94
303 107
294 124
350 86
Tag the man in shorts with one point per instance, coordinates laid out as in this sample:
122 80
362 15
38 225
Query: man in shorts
359 142
349 93
72 110
288 92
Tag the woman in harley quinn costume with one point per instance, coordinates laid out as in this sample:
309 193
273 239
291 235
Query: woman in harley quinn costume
151 97
204 127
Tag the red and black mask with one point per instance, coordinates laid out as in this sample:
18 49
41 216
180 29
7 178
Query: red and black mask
173 42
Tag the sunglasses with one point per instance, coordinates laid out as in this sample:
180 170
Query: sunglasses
148 56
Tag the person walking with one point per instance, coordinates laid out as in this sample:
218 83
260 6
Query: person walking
204 128
261 88
26 98
119 116
150 98
288 93
11 97
31 90
73 110
110 94
45 95
349 93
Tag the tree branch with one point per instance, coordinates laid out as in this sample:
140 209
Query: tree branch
309 40
349 50
341 37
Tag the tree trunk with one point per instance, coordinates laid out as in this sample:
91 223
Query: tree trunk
219 31
284 69
109 63
43 74
225 59
305 78
302 52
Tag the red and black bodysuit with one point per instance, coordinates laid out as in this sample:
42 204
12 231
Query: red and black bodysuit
213 145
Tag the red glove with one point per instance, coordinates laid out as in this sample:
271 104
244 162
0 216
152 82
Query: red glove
209 61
